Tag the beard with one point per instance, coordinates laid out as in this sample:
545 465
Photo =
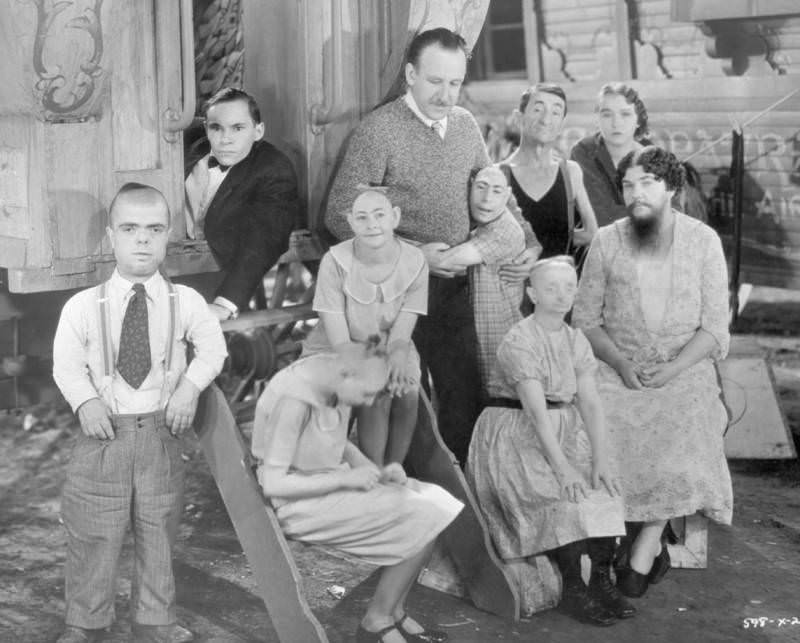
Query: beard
645 228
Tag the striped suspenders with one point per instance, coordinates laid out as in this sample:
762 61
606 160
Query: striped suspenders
108 363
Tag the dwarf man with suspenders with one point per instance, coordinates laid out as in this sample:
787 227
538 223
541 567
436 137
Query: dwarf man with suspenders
119 358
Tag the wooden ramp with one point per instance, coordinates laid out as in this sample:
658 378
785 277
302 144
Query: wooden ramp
466 540
279 581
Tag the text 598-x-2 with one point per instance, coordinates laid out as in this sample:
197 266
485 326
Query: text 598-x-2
763 621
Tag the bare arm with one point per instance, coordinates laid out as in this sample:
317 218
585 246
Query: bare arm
591 410
531 394
277 479
605 349
585 232
699 347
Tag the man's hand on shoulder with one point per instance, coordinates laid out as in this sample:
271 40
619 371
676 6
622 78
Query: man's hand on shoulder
520 268
95 419
437 262
182 406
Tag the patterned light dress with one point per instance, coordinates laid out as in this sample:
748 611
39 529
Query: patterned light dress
496 305
516 487
668 440
369 308
383 526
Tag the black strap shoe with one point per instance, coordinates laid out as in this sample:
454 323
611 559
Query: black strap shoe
425 636
631 583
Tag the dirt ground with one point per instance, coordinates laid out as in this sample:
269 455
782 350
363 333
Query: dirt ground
753 570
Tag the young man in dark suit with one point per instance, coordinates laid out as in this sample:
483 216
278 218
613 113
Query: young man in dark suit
241 196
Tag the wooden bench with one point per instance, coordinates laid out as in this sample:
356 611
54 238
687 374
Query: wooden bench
279 582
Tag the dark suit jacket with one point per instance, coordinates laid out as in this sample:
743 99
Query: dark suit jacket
249 221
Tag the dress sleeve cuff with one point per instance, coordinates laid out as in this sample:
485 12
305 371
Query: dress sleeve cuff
228 305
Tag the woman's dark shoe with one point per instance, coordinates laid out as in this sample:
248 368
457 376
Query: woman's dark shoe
661 565
426 635
577 603
365 636
604 592
631 583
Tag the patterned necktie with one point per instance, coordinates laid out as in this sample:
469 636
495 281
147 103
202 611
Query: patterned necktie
133 362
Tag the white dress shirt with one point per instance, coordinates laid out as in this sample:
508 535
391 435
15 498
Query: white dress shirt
440 130
78 349
201 187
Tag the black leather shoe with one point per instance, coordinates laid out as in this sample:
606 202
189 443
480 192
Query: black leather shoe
603 591
661 565
425 636
577 603
365 636
631 583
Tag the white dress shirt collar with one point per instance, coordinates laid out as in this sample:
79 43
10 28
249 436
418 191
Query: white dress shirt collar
412 104
152 285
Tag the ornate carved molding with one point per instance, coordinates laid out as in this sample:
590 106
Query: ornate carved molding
67 58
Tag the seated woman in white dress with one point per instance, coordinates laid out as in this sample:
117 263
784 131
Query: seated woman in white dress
325 491
538 460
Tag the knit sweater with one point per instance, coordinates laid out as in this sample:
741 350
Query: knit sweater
426 176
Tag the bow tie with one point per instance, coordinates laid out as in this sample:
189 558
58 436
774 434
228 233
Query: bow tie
213 162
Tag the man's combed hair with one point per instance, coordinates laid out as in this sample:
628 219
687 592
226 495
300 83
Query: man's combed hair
631 97
547 88
654 160
445 38
230 94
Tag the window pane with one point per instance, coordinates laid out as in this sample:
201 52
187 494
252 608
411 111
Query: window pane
508 50
505 11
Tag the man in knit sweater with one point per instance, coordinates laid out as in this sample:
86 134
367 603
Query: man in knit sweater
422 148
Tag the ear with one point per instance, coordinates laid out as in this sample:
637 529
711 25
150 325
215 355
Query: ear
396 217
411 74
259 132
531 294
110 234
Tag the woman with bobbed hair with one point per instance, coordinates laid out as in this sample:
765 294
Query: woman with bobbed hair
622 121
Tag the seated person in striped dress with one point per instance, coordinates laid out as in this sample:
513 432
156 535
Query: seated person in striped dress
496 240
327 492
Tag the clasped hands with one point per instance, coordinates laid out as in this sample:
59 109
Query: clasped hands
653 376
367 476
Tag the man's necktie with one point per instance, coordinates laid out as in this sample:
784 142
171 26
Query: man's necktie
437 127
213 162
133 362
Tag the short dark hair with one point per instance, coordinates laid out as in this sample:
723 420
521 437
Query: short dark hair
631 96
547 88
229 95
445 38
657 161
145 193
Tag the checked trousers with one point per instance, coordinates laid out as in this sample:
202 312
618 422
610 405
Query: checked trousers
134 480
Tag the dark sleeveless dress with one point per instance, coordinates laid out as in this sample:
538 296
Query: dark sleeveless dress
547 216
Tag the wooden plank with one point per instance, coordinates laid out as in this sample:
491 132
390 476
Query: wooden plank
279 581
134 102
758 426
466 540
691 551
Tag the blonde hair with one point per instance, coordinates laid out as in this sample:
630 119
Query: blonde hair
555 261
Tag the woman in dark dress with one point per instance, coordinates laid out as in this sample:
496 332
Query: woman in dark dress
542 181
